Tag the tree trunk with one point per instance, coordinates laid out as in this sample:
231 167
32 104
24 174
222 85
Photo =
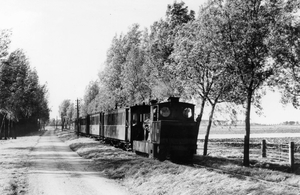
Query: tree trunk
9 128
5 128
199 118
247 124
208 128
62 123
1 126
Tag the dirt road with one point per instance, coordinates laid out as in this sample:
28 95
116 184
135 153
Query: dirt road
45 165
55 169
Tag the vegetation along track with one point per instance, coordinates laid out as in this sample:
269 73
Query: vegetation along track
242 176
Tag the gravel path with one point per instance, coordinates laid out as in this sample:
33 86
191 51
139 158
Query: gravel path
43 164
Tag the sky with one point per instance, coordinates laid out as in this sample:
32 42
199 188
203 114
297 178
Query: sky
66 41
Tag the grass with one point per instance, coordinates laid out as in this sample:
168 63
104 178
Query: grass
240 129
147 176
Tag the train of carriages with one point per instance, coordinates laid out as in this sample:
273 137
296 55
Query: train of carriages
160 130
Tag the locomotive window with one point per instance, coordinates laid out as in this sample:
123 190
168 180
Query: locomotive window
134 119
155 113
187 113
165 111
146 116
141 118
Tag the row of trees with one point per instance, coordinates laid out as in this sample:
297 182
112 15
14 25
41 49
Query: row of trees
229 53
67 113
23 100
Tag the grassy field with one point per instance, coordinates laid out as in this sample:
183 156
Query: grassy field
205 175
240 129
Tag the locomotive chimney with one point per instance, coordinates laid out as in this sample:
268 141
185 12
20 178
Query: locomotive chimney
173 99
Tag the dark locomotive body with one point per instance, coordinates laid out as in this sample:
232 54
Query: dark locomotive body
162 130
173 131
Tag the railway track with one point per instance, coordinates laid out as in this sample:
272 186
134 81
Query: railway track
242 176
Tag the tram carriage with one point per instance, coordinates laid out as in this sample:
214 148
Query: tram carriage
84 125
96 125
125 125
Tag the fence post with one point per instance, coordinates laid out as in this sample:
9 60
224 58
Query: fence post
291 155
263 148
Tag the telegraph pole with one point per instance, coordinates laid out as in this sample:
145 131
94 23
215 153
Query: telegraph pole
78 122
56 123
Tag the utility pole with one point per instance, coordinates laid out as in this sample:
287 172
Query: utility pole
56 123
78 122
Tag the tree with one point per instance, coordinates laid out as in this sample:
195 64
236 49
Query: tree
22 97
134 82
124 75
110 76
201 65
4 43
286 54
71 112
160 47
104 100
35 98
15 85
63 108
91 93
248 36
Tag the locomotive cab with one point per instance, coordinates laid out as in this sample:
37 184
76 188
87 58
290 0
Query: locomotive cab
138 115
173 131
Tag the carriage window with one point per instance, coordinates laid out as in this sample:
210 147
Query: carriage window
83 121
165 111
187 112
91 120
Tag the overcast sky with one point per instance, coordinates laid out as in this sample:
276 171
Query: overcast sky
67 40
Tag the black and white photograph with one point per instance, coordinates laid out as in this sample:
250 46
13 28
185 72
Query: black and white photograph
149 97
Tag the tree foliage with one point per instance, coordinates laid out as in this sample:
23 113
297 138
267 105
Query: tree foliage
63 111
229 53
22 98
286 53
4 43
21 92
124 75
201 64
161 45
249 37
90 95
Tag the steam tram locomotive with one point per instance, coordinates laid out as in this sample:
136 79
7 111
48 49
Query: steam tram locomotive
160 130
